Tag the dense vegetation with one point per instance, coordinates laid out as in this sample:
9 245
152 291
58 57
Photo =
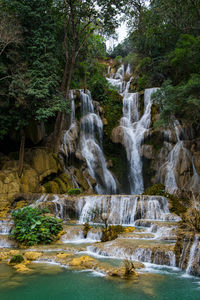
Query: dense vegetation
46 48
163 49
32 226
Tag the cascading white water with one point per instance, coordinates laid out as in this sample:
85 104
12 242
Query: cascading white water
121 209
168 172
134 130
91 146
146 255
134 126
6 227
71 134
194 248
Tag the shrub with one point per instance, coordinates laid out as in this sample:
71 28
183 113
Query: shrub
16 259
191 220
128 266
74 191
86 229
111 232
32 226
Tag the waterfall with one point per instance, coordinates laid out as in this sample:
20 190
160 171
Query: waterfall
193 255
128 70
6 227
168 172
91 135
68 141
121 209
146 255
134 129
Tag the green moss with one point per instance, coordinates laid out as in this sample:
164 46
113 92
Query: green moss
52 187
176 204
81 180
155 190
72 192
156 140
62 185
113 110
16 259
142 82
65 178
58 162
154 111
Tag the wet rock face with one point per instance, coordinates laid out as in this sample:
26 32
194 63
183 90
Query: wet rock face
187 250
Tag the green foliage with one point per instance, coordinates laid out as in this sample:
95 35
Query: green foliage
73 191
112 105
142 82
16 259
180 100
32 226
155 190
32 71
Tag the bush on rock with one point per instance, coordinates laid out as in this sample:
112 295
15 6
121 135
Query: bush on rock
32 226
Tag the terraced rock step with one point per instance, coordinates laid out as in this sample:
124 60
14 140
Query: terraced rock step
140 250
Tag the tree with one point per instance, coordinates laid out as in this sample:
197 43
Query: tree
10 31
80 19
32 91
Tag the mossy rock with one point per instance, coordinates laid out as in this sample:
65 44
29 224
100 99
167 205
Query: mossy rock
52 187
65 178
62 185
73 191
81 180
112 106
16 259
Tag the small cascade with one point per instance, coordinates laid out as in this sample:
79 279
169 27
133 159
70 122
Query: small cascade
128 70
120 73
76 236
168 172
125 210
134 130
143 254
91 146
194 255
184 252
117 80
5 227
59 207
70 135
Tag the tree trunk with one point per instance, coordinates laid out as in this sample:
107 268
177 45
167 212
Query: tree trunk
74 55
21 153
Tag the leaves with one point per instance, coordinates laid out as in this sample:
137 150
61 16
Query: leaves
33 227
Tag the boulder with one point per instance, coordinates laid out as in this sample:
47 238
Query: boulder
32 255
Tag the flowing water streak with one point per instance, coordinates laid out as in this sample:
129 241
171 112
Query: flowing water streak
91 146
192 255
134 129
122 209
146 255
168 171
68 137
